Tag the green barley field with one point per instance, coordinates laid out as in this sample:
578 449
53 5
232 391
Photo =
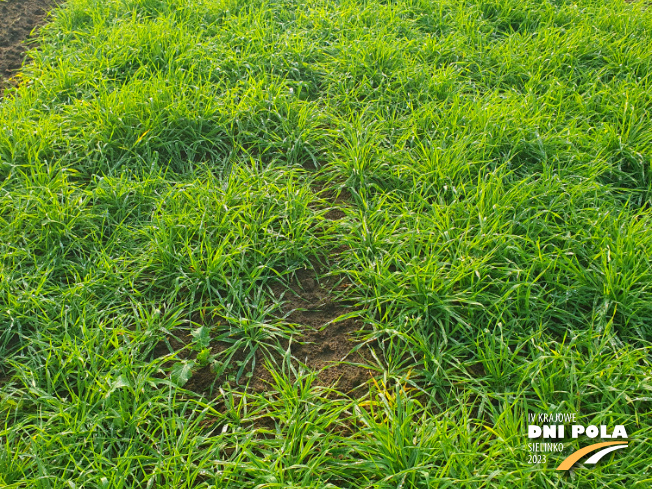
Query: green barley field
326 244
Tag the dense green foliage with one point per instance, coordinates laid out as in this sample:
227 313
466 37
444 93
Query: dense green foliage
164 163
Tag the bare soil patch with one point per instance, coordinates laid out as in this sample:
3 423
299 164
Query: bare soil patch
323 344
18 19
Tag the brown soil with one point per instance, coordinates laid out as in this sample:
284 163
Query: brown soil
324 346
320 345
18 18
336 200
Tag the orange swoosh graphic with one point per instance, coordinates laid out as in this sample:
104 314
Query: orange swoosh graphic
575 456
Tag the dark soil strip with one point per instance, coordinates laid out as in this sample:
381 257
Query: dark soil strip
18 18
